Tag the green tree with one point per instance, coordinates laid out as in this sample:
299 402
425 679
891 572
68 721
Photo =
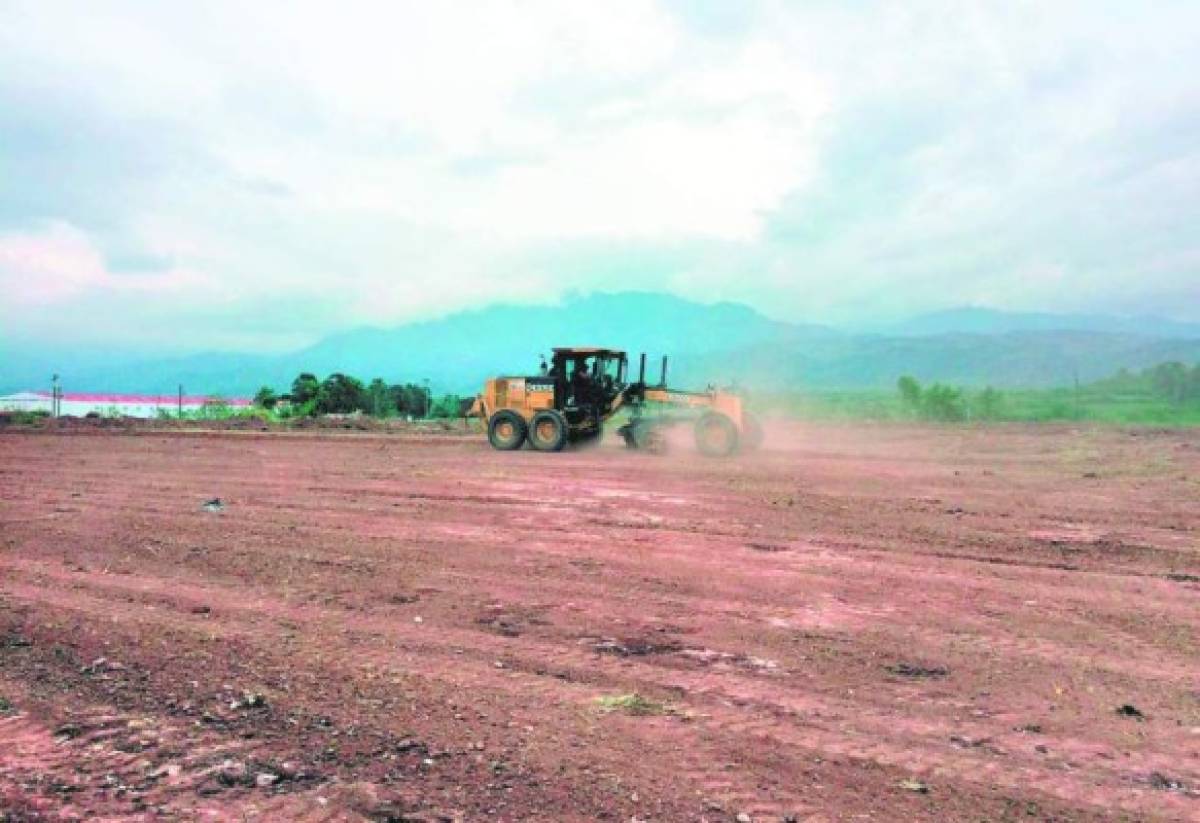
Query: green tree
305 388
1123 380
989 404
379 401
341 394
447 406
910 391
265 398
395 395
1170 381
942 403
408 398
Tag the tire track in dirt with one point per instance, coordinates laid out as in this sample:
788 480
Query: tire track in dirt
598 550
882 736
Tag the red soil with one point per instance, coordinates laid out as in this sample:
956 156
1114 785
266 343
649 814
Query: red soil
863 622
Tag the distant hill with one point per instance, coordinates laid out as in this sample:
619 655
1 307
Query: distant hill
975 320
456 352
510 339
1017 359
719 342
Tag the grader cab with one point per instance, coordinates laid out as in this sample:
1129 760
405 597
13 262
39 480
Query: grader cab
581 388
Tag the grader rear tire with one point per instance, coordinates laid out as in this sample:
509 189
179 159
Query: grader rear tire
548 431
716 435
507 430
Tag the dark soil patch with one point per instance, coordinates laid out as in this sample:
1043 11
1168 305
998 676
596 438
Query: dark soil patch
767 547
636 646
915 671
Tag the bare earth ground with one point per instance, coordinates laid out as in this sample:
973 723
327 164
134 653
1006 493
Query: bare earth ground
870 622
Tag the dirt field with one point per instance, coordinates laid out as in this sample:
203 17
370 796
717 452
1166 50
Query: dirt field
872 622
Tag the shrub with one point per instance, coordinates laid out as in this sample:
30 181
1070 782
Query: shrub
631 704
910 392
988 405
215 408
938 402
943 403
24 417
448 406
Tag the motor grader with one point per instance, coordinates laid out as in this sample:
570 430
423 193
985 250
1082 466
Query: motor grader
581 388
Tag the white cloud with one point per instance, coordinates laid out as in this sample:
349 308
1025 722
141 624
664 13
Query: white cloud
48 265
56 262
399 156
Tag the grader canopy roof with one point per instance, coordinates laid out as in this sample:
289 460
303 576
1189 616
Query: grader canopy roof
586 350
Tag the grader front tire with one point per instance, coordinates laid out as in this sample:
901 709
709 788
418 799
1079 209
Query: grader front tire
716 435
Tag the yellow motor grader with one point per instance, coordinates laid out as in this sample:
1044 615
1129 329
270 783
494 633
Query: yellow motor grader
581 388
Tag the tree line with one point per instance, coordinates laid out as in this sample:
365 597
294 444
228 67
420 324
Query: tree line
343 394
1172 383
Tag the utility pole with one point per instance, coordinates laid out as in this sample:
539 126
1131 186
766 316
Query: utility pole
180 405
427 399
54 396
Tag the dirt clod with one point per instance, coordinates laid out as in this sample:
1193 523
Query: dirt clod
636 646
633 704
915 671
68 731
1162 782
770 548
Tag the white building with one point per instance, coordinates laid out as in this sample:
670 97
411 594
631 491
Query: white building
128 405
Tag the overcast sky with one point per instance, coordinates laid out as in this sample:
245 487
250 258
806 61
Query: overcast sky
255 175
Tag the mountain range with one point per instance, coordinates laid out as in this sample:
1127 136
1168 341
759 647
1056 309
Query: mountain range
979 320
718 342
